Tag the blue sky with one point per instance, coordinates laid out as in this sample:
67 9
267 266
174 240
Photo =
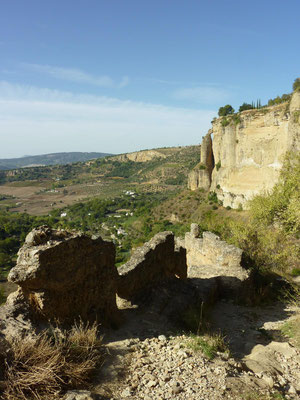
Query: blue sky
124 75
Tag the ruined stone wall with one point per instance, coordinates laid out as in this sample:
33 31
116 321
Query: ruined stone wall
63 277
209 257
150 264
248 152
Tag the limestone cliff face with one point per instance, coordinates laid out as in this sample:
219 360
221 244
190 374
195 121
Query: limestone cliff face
140 156
200 176
248 151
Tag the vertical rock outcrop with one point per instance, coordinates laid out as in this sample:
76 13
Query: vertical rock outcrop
206 153
246 153
200 176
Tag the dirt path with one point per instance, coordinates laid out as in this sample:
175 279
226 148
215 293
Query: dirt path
149 358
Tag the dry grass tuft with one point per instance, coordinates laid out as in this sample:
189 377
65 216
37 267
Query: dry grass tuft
41 369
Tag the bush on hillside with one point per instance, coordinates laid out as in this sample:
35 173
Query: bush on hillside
282 206
270 235
279 99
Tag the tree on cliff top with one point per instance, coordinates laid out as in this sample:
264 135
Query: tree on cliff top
226 110
296 85
246 106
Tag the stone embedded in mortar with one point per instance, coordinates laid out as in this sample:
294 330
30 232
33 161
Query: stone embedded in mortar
64 276
150 264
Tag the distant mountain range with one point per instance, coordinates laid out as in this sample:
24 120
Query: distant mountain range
48 159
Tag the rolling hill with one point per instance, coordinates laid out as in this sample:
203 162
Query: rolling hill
48 159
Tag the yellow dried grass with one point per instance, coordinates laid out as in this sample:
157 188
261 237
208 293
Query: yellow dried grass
42 368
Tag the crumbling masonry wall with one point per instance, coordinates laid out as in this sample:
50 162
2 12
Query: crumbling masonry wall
150 264
65 276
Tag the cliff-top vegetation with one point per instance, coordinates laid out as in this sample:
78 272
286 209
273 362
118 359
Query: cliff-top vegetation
229 110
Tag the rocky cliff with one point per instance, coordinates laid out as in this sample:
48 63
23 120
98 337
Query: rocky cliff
241 156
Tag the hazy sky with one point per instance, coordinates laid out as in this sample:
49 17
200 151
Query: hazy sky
123 75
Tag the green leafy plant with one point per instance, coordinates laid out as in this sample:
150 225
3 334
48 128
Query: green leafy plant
296 117
212 196
208 344
296 84
225 122
218 165
245 106
295 272
226 110
279 99
236 119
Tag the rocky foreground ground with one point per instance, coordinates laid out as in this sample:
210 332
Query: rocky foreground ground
149 307
152 366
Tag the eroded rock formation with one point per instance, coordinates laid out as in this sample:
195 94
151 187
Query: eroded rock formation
200 176
140 156
246 153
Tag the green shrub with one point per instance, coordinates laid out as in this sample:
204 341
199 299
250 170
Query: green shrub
296 84
218 165
246 106
282 205
226 110
279 99
295 271
208 344
296 117
236 119
212 196
225 122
